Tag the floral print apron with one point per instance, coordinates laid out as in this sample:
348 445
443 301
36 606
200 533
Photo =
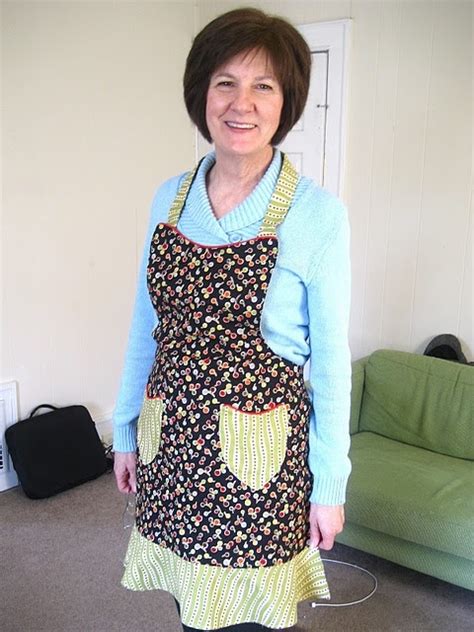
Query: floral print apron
223 484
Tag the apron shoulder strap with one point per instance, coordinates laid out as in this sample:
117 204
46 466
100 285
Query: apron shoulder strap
282 198
180 199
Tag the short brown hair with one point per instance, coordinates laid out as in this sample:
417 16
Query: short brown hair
237 32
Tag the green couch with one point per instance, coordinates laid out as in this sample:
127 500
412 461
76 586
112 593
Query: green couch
410 496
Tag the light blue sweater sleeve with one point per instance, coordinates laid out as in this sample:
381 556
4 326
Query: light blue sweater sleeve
328 298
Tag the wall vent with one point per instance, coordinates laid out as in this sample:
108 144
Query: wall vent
8 416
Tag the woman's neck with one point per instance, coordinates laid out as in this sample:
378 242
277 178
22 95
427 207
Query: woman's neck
231 179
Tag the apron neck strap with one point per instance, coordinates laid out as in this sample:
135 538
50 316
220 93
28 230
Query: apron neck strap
180 199
278 207
281 199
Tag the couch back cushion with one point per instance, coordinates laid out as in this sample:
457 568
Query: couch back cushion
420 400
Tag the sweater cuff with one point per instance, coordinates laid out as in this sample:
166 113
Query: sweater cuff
125 438
329 491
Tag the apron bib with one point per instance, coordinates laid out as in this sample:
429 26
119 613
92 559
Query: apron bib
223 482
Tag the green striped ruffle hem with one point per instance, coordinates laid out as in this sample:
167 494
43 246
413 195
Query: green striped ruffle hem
212 597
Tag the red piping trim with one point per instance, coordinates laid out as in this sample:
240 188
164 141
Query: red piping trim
248 412
147 393
234 243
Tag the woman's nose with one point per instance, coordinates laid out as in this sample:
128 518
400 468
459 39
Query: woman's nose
243 101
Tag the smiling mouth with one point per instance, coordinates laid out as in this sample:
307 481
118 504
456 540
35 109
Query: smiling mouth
235 125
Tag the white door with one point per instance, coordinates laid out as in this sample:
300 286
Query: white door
305 143
316 143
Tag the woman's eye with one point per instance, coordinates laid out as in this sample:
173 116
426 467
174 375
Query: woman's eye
264 86
226 84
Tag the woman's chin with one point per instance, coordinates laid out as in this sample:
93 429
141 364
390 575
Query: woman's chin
241 149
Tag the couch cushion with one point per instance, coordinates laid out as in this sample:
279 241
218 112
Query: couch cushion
423 401
411 493
446 566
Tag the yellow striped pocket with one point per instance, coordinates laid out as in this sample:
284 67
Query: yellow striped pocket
253 445
149 428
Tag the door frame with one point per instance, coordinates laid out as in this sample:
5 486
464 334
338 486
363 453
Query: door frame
333 37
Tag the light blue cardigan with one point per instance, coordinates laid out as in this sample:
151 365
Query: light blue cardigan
305 314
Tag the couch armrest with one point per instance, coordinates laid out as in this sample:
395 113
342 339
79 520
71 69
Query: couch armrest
358 380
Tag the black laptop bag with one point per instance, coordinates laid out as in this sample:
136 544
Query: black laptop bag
55 451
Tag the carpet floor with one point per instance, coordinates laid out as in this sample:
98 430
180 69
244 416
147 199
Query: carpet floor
61 564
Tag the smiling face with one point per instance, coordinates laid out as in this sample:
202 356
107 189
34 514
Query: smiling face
243 106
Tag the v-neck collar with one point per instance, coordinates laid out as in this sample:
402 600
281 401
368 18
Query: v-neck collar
249 211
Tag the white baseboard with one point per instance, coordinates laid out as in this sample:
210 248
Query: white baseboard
104 427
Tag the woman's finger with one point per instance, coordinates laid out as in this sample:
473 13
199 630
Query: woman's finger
315 534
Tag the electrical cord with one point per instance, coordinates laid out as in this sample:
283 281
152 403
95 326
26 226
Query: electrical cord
314 604
109 456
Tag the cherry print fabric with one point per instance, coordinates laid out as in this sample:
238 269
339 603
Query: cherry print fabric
210 355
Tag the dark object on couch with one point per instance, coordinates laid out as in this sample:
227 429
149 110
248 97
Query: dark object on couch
446 347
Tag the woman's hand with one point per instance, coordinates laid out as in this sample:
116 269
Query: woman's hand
326 521
125 467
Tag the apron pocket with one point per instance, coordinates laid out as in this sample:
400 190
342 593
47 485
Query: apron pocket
253 445
149 429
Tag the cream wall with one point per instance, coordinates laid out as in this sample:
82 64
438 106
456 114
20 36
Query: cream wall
91 103
93 121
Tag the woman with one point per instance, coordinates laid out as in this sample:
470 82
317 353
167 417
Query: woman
239 471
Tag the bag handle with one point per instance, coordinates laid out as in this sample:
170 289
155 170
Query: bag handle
43 406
